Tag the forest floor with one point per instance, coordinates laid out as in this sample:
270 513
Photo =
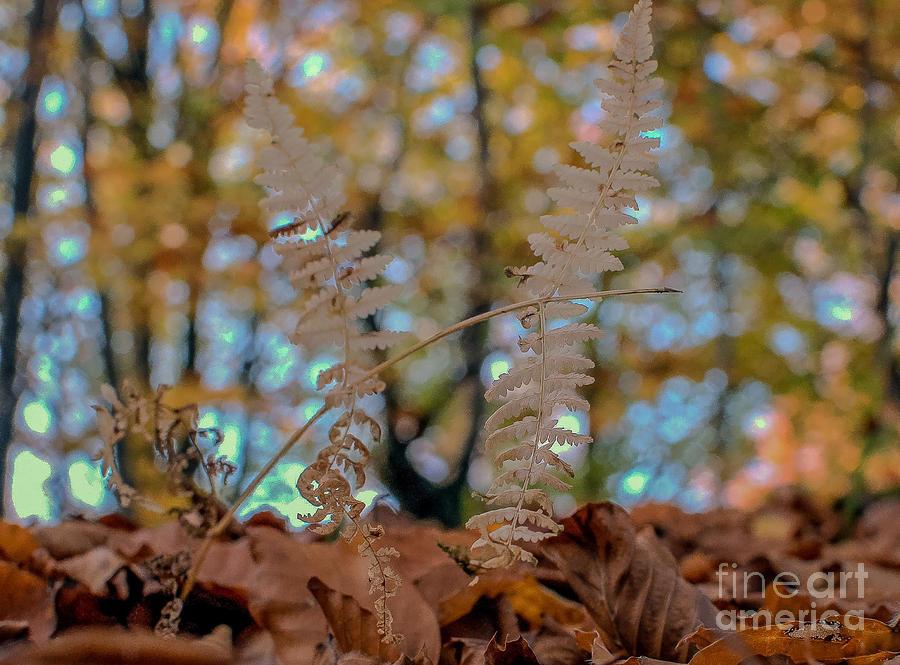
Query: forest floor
612 587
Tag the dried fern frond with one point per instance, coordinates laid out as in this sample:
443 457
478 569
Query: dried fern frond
577 246
330 268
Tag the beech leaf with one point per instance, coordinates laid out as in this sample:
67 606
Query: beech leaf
354 627
629 583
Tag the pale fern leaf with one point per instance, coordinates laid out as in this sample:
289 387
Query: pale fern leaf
578 178
530 498
373 299
365 269
568 335
519 429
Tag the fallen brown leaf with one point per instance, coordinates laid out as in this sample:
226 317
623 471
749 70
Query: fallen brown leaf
353 627
528 598
114 646
827 642
71 537
281 603
555 644
26 597
16 543
278 598
468 651
12 631
629 583
93 568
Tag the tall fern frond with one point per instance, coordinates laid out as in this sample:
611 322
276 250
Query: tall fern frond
577 246
328 265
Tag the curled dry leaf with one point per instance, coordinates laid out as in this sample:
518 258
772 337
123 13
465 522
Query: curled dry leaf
281 604
555 644
278 599
629 583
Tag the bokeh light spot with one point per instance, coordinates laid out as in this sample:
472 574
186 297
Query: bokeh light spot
842 311
37 417
311 233
86 483
570 422
316 368
99 8
311 408
69 250
498 368
199 33
717 66
367 496
29 496
314 64
63 159
57 196
54 103
635 482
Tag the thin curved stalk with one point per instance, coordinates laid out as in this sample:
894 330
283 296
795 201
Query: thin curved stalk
225 520
499 311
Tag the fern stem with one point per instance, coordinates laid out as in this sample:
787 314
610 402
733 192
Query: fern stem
225 520
537 433
499 311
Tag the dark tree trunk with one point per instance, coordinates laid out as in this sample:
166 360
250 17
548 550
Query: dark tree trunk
190 364
86 52
880 248
418 495
40 30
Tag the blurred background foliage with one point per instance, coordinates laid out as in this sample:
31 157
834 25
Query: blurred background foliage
133 246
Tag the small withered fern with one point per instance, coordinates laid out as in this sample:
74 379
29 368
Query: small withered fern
174 436
327 264
523 431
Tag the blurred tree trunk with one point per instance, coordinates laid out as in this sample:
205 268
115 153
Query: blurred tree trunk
40 31
417 494
86 52
132 78
197 129
880 248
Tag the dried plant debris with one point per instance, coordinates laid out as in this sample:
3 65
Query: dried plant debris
172 433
